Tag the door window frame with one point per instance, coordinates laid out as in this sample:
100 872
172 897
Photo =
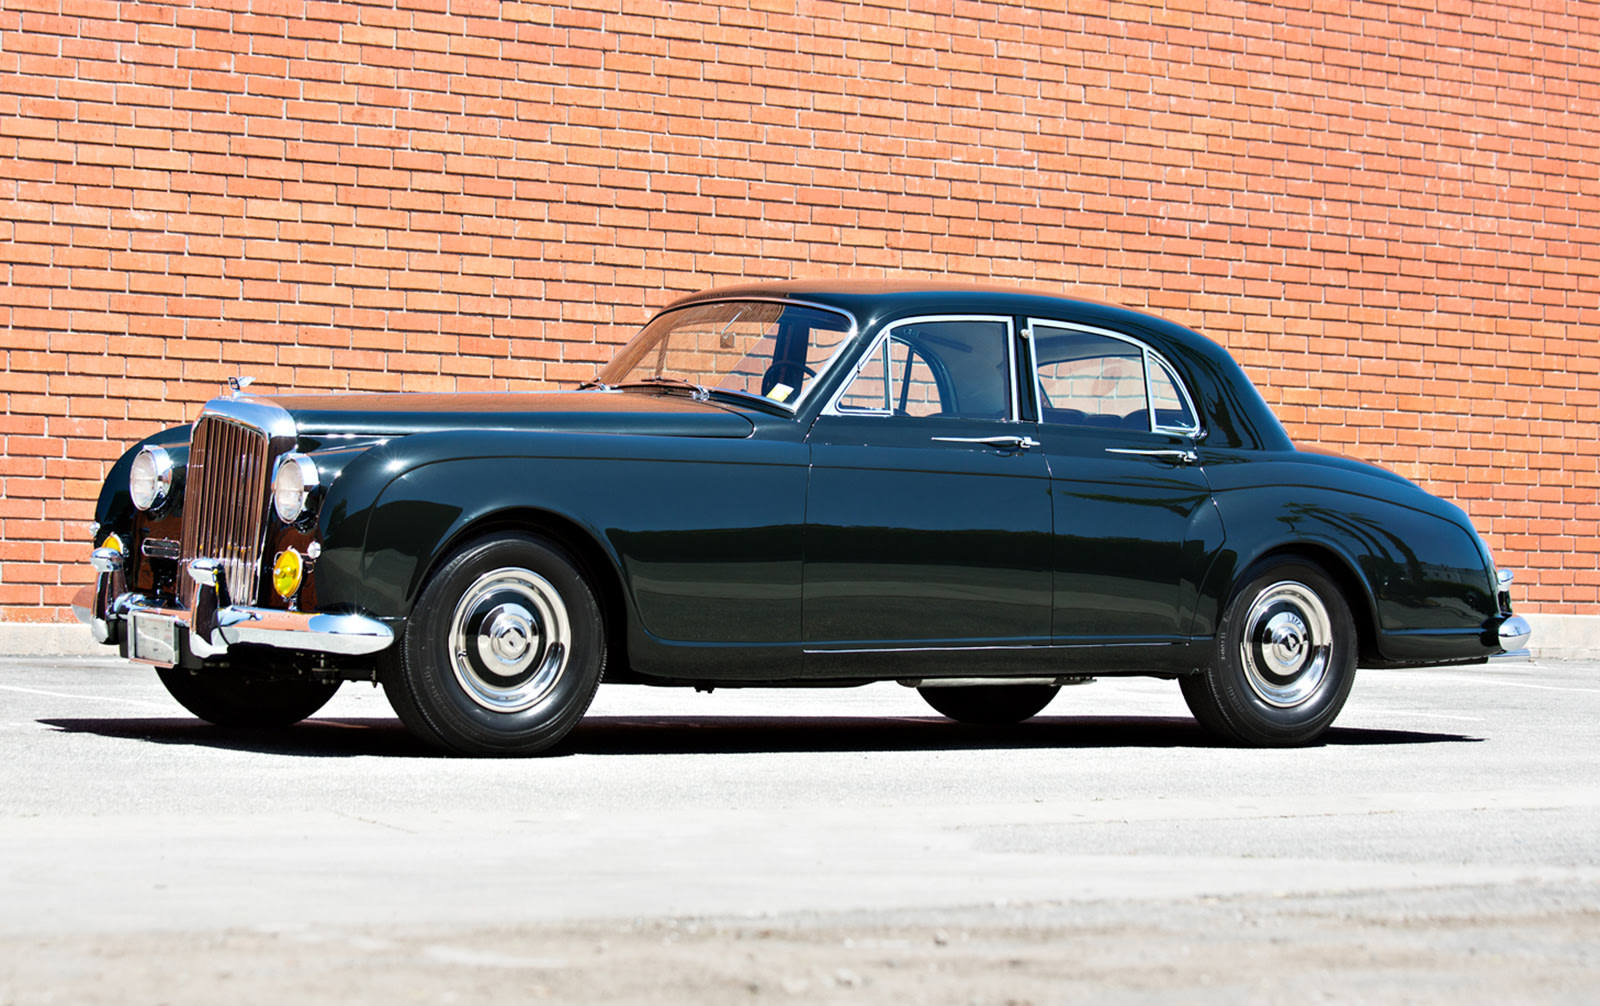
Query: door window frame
881 341
1149 358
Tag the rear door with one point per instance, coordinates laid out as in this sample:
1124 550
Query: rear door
1135 528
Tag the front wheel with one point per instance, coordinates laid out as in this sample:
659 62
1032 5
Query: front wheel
502 653
989 704
1285 659
231 698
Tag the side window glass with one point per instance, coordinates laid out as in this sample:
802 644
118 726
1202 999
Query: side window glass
913 388
868 390
936 368
895 379
1172 409
1091 380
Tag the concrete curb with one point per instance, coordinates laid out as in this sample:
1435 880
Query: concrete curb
1555 637
1564 637
49 639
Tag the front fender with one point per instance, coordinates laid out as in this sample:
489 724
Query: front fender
704 535
394 509
114 509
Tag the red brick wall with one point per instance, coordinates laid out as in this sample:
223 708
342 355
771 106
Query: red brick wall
1388 214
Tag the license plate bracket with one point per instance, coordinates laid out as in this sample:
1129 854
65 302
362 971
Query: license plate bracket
152 639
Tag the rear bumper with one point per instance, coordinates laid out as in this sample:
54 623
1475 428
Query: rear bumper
1512 633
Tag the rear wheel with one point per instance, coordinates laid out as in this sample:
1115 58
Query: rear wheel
991 704
231 698
503 651
1285 659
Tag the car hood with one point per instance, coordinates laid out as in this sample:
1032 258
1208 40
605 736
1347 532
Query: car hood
319 417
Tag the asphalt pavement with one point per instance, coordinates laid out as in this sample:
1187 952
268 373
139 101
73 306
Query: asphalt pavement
805 845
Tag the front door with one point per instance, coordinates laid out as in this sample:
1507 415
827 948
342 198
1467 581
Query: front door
928 516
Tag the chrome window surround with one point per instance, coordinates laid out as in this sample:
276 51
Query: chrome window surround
878 345
833 358
1150 358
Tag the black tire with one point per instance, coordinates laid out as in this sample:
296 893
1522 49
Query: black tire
502 653
989 704
1285 659
231 698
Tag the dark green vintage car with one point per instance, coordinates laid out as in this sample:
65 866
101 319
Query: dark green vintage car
984 494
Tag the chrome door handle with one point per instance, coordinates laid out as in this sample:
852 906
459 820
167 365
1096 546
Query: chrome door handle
1177 457
1006 443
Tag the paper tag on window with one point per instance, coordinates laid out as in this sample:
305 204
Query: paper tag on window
780 392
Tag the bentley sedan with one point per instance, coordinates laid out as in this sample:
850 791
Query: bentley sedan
982 494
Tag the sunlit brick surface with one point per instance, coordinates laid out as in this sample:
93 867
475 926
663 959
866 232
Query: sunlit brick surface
1387 212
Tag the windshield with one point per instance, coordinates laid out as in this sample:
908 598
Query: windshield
762 349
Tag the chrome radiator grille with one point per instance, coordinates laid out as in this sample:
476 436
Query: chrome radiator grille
225 503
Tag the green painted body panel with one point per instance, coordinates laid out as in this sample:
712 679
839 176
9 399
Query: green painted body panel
1134 537
1427 584
912 541
704 535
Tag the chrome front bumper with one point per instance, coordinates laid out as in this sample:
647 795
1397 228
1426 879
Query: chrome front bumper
154 633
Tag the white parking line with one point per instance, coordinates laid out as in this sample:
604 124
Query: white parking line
85 698
1407 714
1508 684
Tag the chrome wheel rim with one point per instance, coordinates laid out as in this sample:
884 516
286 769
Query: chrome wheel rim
509 640
1287 644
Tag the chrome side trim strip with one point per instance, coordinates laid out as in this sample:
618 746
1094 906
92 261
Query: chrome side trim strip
981 649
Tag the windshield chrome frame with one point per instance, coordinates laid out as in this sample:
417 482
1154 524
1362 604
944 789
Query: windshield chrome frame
791 407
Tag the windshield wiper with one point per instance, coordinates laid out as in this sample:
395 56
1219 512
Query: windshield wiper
698 392
601 385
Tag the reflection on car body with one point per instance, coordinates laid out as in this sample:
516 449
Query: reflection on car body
985 494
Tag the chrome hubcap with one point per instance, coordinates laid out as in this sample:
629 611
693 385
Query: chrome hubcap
509 639
1286 645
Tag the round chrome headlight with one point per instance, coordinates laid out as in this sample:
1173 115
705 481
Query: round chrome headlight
150 478
292 484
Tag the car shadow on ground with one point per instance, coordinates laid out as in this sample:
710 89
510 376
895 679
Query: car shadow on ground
668 735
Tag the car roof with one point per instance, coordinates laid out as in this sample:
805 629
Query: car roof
872 297
1231 399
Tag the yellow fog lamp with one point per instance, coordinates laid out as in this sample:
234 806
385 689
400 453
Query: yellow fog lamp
288 569
110 557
